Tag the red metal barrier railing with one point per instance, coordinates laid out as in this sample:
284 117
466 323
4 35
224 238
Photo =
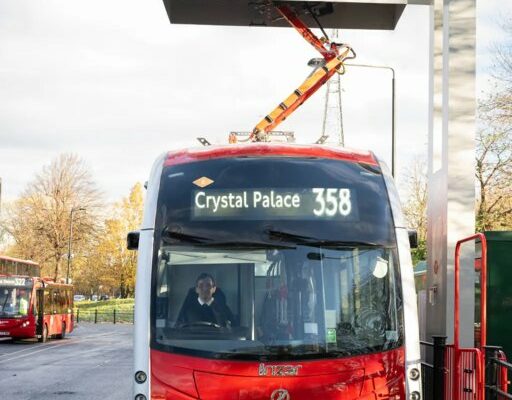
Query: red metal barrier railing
467 375
467 382
449 362
503 376
479 373
471 374
483 291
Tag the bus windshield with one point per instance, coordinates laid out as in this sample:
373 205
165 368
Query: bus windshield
14 296
275 258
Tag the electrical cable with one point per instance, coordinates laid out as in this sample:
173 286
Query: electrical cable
317 22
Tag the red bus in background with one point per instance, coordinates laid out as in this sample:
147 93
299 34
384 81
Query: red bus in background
31 306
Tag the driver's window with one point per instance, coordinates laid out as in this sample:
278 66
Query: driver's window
179 295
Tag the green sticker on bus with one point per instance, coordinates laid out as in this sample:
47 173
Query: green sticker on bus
331 335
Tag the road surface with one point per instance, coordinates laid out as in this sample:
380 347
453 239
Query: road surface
94 362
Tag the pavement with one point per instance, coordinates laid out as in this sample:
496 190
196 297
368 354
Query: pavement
94 362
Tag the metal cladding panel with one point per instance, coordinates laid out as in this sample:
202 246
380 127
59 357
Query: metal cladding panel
342 14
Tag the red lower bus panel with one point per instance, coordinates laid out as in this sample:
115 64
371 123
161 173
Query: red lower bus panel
55 323
25 328
346 385
161 391
173 377
379 375
19 328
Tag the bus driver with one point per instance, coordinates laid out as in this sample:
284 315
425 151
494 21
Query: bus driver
23 302
206 307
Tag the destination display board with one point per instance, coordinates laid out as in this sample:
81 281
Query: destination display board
276 203
12 281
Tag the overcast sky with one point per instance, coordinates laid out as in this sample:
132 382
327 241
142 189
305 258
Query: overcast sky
115 83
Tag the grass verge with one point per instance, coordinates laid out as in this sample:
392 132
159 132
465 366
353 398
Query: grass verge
118 310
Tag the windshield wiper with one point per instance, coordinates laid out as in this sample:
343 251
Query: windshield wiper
281 235
310 241
246 245
344 244
244 352
182 237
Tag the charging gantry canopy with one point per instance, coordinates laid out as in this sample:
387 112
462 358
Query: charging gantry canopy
336 14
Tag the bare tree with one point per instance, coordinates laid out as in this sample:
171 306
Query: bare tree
415 206
494 179
39 220
494 142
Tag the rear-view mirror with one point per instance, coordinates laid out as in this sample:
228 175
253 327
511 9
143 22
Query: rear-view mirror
132 240
413 239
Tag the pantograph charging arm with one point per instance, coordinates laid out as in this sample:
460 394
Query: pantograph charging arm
334 55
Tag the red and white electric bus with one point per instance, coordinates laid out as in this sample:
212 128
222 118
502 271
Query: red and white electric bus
307 249
31 306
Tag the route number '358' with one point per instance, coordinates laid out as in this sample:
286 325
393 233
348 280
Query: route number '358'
332 201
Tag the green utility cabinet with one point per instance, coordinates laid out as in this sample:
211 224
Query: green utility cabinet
499 290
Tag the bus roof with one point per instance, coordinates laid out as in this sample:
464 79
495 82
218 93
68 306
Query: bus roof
18 260
51 283
269 150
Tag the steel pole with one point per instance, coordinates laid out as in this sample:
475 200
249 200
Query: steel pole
70 239
439 367
393 136
393 109
69 242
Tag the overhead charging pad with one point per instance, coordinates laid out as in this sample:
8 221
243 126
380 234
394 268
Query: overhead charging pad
336 14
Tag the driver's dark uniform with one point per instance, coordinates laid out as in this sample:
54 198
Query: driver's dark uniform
216 313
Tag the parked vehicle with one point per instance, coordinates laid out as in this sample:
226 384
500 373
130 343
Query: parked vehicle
79 297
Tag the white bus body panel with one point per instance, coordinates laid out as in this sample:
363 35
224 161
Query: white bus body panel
410 306
153 188
412 335
141 333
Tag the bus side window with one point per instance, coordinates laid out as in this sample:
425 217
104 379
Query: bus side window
55 301
47 302
68 300
58 301
64 301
